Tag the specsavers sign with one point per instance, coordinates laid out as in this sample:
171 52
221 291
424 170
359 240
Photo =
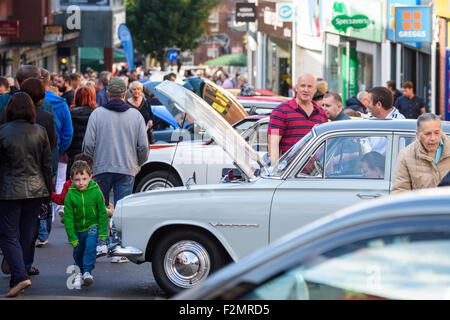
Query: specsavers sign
354 18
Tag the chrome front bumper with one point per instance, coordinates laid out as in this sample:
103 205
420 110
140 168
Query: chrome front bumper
131 253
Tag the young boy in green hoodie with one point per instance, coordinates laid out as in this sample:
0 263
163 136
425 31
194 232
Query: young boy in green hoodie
85 220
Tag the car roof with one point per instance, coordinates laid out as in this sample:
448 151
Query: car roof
372 124
369 124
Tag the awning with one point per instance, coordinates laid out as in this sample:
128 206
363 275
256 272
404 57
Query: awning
98 54
239 60
94 58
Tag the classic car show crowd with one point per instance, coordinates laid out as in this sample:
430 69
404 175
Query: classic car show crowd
69 141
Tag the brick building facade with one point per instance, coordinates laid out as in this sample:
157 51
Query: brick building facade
225 37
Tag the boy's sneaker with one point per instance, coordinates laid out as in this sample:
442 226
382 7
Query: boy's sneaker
77 282
102 250
61 215
87 279
40 243
119 259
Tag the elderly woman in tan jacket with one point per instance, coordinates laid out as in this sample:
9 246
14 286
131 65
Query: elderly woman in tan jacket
426 161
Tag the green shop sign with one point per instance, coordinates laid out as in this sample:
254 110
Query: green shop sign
359 19
343 22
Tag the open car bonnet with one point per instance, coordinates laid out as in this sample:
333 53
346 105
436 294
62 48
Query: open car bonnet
218 98
244 156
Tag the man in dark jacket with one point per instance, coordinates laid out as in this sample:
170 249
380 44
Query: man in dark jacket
358 103
65 87
410 105
102 82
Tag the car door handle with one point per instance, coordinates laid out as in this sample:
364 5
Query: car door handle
368 196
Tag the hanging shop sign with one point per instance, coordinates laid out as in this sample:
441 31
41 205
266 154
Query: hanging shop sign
9 28
443 8
285 12
354 18
413 24
53 33
268 22
245 12
390 29
343 22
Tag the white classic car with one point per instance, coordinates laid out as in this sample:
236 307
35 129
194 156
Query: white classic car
188 233
171 164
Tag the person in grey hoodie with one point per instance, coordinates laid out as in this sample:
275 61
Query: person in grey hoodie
116 136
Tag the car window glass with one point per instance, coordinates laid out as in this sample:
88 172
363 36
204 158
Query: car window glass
243 126
314 166
404 142
377 268
258 138
289 157
354 157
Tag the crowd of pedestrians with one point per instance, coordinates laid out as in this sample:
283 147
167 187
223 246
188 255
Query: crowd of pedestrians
90 140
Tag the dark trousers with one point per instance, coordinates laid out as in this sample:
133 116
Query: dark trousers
30 259
18 219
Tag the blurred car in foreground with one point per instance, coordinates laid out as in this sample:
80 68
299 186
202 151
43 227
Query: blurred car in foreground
391 248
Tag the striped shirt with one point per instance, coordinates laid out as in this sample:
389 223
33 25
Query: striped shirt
291 122
394 114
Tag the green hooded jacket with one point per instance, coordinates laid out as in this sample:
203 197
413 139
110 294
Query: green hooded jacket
84 209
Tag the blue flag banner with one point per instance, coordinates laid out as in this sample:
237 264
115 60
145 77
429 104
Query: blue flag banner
127 44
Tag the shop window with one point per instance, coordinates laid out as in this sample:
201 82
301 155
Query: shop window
365 71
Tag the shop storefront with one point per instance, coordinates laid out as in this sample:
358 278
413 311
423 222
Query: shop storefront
409 61
352 45
275 48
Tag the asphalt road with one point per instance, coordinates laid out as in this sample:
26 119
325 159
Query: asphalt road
111 280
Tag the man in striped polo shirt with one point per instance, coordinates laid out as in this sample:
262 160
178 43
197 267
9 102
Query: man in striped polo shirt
293 119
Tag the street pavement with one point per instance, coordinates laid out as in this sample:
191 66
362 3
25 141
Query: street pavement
111 280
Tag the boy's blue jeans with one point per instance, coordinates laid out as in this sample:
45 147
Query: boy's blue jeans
85 254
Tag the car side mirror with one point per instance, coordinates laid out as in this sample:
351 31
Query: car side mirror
190 180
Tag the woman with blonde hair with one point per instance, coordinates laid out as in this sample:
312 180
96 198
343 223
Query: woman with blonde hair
139 102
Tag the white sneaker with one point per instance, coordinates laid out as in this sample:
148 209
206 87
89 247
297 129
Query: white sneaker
102 250
119 259
41 244
77 281
87 279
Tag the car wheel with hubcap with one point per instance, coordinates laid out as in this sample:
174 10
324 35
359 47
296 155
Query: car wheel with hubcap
158 180
183 259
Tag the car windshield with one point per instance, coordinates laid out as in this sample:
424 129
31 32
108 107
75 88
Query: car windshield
285 161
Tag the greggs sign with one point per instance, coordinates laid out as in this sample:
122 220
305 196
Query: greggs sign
413 24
